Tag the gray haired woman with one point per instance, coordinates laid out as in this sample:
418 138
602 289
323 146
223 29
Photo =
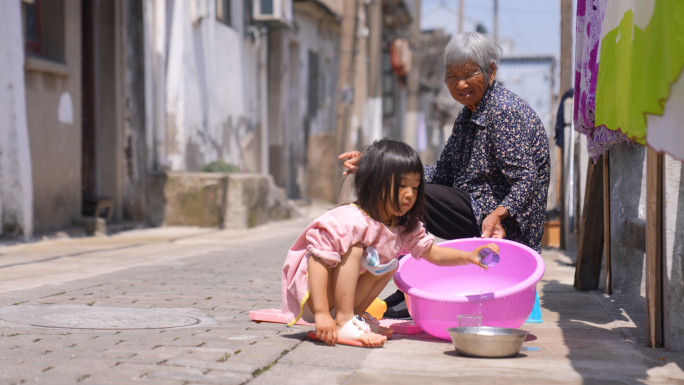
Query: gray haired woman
492 178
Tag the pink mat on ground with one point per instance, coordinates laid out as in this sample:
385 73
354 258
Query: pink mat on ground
398 326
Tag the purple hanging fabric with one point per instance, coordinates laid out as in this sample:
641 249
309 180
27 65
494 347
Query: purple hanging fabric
589 21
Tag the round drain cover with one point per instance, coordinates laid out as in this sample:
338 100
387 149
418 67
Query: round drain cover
106 318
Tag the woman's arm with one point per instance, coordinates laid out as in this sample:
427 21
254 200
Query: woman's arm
514 155
446 256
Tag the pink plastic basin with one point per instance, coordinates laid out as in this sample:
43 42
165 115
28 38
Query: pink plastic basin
503 296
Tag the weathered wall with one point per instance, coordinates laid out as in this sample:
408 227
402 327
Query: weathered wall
303 70
334 5
134 137
673 251
627 202
628 213
253 200
195 199
16 187
54 124
205 106
322 150
233 201
252 47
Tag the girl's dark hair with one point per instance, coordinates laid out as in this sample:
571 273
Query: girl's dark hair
379 175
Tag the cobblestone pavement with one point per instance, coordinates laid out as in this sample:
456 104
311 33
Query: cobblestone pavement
179 301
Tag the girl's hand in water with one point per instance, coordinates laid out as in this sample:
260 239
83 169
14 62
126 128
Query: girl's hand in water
326 328
351 160
473 257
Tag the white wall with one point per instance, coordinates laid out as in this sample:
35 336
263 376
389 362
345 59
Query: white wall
325 42
673 253
154 24
204 90
250 73
16 188
298 132
254 85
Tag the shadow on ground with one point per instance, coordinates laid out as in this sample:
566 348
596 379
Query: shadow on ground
606 339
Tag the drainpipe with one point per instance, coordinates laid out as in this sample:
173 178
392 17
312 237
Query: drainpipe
261 47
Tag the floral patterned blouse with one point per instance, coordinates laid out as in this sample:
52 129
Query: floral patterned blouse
500 154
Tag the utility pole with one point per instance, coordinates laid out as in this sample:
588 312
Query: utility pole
566 73
375 50
413 116
346 81
566 47
460 15
496 21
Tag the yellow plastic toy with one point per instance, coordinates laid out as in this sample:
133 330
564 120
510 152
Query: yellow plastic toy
377 309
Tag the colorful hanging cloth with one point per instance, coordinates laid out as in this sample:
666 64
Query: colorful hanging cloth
629 60
590 15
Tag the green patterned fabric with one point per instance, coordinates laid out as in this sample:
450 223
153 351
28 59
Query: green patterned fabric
638 67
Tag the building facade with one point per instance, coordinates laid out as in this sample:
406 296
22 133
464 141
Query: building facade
104 99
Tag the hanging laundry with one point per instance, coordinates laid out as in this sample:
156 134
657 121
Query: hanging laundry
666 133
629 58
643 46
589 21
560 118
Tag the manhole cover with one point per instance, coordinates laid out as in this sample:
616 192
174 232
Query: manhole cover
107 318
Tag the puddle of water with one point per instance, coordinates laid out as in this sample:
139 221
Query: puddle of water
529 349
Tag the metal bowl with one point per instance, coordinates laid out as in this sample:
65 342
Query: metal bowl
488 342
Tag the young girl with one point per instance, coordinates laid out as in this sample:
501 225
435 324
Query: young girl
327 278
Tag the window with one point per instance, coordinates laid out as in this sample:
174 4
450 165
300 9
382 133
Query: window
43 23
266 7
223 12
31 26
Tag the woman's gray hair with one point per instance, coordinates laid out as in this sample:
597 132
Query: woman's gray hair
472 47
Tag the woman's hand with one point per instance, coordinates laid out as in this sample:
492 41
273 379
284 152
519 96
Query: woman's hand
326 328
491 226
351 160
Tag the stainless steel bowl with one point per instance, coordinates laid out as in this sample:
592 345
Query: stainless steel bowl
485 341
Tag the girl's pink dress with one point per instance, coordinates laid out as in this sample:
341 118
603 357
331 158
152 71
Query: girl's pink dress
329 237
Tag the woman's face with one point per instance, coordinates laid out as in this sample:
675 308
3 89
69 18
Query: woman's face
467 84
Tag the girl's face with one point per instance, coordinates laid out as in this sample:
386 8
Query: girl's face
408 193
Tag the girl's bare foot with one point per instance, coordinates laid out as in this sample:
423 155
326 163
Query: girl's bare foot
357 329
372 340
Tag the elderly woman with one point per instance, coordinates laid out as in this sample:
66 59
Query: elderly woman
492 178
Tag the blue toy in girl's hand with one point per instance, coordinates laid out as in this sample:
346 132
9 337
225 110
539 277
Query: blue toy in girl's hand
488 257
371 262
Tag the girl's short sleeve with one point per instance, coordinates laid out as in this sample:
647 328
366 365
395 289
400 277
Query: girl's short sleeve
331 236
417 242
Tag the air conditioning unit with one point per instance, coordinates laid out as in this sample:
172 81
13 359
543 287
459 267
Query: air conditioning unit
272 10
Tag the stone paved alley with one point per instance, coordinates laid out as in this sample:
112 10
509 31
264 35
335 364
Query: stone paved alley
181 297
